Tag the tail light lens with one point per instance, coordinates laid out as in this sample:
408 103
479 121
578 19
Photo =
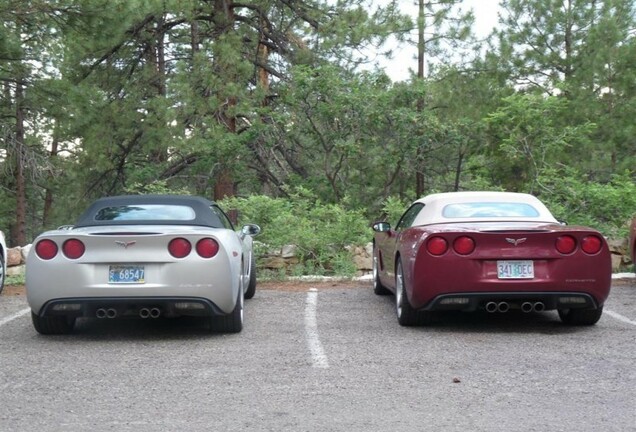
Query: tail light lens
566 244
73 248
46 249
436 246
464 245
179 248
591 244
207 248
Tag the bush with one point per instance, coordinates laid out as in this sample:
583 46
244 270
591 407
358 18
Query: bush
604 206
320 231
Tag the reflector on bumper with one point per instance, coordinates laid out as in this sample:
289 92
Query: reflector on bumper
454 301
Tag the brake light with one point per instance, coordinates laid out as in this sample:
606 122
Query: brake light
591 244
73 248
566 244
179 248
207 248
464 245
46 249
436 246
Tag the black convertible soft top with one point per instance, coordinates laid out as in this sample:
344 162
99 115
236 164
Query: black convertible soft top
203 215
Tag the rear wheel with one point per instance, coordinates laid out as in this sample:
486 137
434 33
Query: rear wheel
378 288
233 322
406 315
2 272
52 325
581 316
251 285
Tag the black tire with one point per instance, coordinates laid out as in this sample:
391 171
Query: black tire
378 288
232 322
3 272
406 315
251 286
580 316
53 325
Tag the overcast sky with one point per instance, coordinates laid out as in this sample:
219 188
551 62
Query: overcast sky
405 55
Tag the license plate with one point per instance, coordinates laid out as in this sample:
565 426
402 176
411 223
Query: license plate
123 274
515 269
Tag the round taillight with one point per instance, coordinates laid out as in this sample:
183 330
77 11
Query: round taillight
179 247
436 246
464 245
566 244
73 248
46 249
591 244
207 247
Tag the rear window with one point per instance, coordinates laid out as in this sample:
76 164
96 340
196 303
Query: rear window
147 212
489 210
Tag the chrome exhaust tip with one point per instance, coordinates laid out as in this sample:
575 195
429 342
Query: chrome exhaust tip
101 313
527 307
111 313
144 312
539 307
155 312
491 307
503 307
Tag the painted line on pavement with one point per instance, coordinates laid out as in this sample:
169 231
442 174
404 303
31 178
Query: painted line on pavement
318 356
14 316
620 317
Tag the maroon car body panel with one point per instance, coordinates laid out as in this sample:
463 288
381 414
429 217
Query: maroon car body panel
427 276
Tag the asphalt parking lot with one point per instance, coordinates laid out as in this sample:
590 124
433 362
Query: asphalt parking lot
323 357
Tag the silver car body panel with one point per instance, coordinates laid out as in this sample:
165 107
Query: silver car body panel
215 279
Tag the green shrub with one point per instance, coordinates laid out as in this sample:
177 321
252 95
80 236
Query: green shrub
393 209
604 206
320 231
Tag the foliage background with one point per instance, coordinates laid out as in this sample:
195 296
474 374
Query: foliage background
277 109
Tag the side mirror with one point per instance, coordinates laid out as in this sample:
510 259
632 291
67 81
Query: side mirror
381 227
250 230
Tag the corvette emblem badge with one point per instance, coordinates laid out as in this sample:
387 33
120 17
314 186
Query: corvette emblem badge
516 242
125 244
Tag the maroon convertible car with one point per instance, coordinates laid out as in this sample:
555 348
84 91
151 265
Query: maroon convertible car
493 251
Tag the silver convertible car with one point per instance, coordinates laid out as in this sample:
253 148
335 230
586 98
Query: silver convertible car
145 256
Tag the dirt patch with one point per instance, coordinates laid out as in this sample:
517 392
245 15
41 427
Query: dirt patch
13 290
277 285
305 285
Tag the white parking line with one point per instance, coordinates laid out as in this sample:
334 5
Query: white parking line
318 356
14 316
620 317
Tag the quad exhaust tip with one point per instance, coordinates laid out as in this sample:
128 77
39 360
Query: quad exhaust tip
504 307
106 313
150 313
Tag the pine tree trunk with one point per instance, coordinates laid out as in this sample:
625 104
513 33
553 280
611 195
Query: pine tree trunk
19 229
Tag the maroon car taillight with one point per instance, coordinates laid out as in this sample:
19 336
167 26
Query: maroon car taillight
566 244
179 247
436 246
464 245
207 248
591 244
46 249
73 248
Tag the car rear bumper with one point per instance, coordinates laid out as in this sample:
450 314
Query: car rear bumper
130 307
504 301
